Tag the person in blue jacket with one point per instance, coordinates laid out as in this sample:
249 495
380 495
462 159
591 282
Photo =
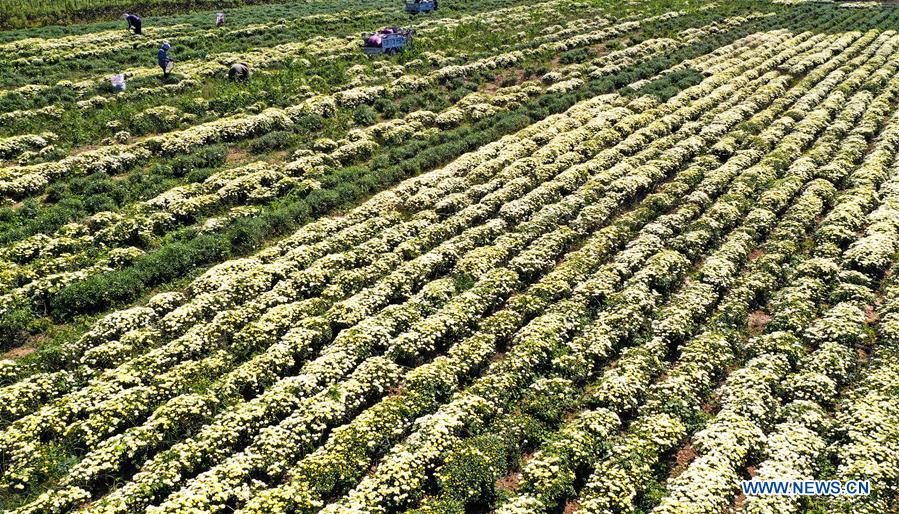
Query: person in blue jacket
133 22
162 57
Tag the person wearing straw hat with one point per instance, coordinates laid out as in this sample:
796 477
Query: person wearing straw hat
240 72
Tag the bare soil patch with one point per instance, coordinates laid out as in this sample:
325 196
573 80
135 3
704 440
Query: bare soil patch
871 316
237 156
571 506
757 321
683 459
18 352
509 482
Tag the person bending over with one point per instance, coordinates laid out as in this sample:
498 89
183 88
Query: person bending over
240 71
134 22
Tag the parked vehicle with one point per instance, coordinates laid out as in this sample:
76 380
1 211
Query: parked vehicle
386 41
420 6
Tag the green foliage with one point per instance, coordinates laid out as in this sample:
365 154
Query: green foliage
364 115
14 322
653 492
577 55
472 469
275 140
80 196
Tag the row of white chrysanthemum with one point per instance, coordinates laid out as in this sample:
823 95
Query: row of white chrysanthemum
14 146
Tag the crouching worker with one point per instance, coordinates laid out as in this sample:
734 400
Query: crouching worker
134 22
240 71
220 19
118 81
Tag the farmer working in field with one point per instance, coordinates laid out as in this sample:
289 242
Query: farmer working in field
240 71
118 81
134 22
162 57
220 19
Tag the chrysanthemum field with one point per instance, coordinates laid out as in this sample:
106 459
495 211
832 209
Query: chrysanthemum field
557 256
